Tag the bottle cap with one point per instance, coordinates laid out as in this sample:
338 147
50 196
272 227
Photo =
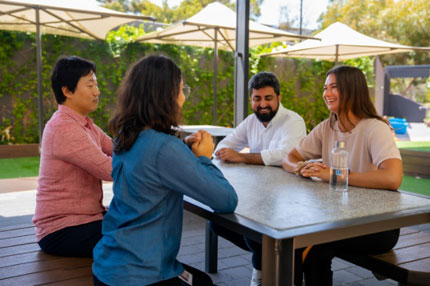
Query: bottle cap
340 144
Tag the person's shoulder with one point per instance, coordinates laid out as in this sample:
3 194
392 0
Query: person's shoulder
250 120
292 115
61 123
157 139
288 114
322 126
373 124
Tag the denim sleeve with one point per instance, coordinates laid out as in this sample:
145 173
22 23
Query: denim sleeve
181 171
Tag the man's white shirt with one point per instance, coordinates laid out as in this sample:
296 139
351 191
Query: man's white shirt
281 135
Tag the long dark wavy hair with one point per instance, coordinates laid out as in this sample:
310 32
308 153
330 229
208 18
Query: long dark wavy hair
146 99
353 95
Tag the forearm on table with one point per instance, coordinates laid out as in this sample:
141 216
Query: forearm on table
290 161
388 176
251 158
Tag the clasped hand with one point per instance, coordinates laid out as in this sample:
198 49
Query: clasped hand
201 143
316 169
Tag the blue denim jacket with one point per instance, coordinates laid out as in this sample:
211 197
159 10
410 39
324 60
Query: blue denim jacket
143 226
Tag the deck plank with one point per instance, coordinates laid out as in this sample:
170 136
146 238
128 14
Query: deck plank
407 254
81 281
18 249
63 263
15 241
45 277
16 232
15 259
412 239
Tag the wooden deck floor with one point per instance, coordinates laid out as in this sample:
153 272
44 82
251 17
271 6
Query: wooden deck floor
23 263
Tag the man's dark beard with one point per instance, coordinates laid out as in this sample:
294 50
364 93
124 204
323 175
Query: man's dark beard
266 117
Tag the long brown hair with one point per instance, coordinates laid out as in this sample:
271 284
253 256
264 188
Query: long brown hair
146 99
353 95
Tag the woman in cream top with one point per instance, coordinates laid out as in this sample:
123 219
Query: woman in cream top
374 162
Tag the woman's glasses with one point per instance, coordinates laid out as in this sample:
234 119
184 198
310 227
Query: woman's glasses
186 90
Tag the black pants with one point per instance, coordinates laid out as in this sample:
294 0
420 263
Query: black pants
240 241
256 249
199 279
77 241
317 266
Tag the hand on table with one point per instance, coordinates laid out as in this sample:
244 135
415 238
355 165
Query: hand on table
316 169
229 155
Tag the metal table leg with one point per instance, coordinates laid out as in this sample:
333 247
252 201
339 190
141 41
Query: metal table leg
278 261
211 251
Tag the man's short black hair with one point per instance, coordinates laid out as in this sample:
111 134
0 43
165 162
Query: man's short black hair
263 79
67 72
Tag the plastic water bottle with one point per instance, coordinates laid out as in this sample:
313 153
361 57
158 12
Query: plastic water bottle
339 168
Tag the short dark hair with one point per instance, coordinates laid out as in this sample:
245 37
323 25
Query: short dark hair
147 97
263 79
353 95
67 72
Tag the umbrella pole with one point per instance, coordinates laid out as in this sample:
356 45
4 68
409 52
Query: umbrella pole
39 74
215 78
337 55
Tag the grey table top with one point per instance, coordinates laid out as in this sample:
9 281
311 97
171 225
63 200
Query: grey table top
218 131
286 205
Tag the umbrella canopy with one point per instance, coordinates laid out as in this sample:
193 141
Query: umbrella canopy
215 27
67 18
339 42
216 23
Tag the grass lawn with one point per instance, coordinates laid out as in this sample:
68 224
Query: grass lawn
416 185
412 184
19 167
418 146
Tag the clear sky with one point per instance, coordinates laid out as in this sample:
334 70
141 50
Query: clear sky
270 11
312 9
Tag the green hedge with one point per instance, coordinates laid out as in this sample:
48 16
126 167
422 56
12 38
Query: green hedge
301 80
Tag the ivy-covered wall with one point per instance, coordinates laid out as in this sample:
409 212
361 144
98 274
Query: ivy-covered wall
301 81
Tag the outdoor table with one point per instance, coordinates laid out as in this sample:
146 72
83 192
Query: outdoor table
217 132
285 212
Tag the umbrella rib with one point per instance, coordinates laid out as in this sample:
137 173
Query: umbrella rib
226 40
169 35
105 14
17 17
204 31
217 30
13 11
75 20
71 24
255 31
60 28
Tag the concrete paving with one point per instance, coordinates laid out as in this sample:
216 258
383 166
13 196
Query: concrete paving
234 264
415 132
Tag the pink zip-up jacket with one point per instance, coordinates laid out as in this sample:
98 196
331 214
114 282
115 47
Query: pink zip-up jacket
76 156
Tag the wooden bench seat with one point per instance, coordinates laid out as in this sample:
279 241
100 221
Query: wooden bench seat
23 263
408 263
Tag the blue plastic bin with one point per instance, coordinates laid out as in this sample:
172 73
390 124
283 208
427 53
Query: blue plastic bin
399 125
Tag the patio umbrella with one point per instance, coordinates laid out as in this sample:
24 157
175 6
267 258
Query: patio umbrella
215 27
338 43
68 18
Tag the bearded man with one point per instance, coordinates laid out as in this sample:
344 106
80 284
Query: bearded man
270 133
